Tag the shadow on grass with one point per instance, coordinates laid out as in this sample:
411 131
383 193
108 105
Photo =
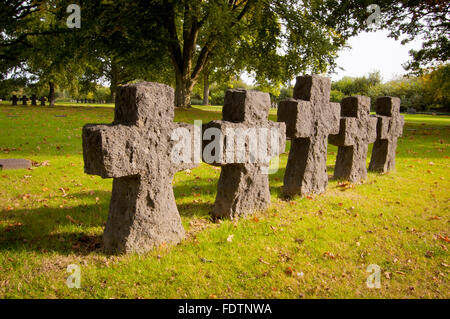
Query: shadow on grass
72 230
62 230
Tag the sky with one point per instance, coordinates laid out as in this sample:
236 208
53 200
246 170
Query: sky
370 51
374 51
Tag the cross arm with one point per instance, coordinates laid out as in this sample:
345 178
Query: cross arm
298 117
243 143
109 150
348 131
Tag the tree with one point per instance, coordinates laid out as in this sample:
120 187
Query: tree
275 39
408 20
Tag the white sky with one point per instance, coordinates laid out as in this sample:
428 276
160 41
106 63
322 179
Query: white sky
374 51
370 51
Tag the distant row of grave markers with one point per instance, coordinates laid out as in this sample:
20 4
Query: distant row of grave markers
24 99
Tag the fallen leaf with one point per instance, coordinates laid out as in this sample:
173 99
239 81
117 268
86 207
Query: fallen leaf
204 260
70 218
263 261
446 239
289 271
329 255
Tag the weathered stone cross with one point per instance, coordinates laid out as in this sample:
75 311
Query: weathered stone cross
248 141
33 99
310 117
24 100
42 99
389 129
136 150
14 100
357 131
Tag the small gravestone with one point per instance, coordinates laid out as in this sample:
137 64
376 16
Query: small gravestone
24 100
34 100
310 117
357 131
243 186
14 100
42 100
411 110
389 129
13 163
136 150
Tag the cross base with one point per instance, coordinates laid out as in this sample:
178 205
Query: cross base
152 220
383 155
306 171
351 163
242 190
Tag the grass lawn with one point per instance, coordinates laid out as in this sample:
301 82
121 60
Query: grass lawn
316 247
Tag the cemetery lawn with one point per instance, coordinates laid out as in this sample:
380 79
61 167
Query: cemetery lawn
316 247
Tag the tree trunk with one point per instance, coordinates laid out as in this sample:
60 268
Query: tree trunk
113 78
51 94
206 87
112 88
183 91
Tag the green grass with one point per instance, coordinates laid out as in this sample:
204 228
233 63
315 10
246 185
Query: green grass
317 247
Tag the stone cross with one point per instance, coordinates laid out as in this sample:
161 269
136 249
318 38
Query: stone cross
310 117
33 99
136 150
42 99
389 129
248 141
14 100
24 100
357 131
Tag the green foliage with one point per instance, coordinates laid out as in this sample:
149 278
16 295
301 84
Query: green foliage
357 86
217 97
336 96
425 92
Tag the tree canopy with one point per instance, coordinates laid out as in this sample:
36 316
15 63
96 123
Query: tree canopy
180 42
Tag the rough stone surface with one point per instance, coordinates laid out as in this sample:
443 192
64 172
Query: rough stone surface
310 117
14 100
24 100
389 129
357 130
13 163
136 151
42 100
243 186
33 99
